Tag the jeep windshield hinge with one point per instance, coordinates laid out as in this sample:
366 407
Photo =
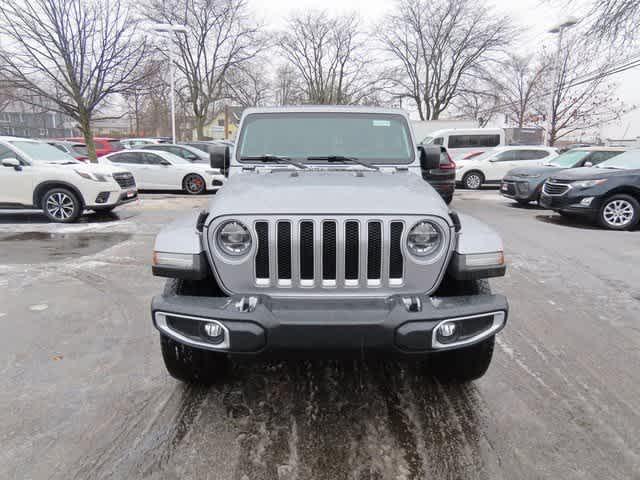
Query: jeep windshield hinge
202 218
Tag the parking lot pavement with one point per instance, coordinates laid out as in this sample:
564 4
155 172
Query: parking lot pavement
84 394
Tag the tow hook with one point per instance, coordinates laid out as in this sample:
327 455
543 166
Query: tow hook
246 304
412 304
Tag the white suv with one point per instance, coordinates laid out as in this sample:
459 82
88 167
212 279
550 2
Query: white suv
34 174
491 166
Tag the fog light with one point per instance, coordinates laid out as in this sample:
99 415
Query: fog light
585 202
447 332
214 332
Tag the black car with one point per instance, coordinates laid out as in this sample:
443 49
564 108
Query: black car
524 184
608 193
443 179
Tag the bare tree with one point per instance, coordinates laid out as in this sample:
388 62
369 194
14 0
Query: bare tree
519 81
614 19
583 98
478 100
221 37
437 43
287 86
247 85
329 55
74 54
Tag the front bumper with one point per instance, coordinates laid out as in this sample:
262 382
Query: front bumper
571 202
518 189
396 326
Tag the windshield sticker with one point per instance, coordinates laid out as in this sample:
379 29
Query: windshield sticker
381 123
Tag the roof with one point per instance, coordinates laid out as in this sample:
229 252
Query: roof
328 108
524 147
601 149
12 139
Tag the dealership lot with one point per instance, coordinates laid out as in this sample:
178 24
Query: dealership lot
84 394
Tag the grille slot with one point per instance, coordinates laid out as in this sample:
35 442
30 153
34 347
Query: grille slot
306 251
351 250
125 180
554 188
396 260
329 250
284 251
262 255
374 252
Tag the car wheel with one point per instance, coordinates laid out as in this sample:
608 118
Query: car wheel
194 184
465 364
61 205
192 365
473 180
619 212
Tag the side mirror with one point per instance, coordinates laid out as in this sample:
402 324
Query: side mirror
429 156
12 162
220 157
588 164
165 163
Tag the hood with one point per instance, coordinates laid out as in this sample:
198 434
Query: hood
589 173
322 192
542 171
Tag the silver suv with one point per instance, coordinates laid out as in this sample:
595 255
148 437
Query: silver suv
326 240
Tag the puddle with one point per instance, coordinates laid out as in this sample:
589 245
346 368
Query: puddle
36 247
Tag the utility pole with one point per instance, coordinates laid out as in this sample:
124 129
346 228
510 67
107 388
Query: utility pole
226 122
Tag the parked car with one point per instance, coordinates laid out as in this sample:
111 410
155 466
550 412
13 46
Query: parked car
462 141
608 193
36 175
354 256
194 155
208 146
75 149
524 184
165 171
141 142
103 145
443 178
491 166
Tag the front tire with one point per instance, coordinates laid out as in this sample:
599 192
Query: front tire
194 184
466 364
61 205
473 180
192 365
619 212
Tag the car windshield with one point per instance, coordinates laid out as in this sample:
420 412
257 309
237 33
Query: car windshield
427 140
625 161
43 152
568 159
80 149
371 137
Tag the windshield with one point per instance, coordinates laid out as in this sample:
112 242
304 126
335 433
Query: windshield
627 161
43 152
568 159
376 138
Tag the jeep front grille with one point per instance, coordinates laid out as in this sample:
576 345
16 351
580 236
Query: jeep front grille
321 253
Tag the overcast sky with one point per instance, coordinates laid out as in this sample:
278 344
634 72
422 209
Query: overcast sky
534 16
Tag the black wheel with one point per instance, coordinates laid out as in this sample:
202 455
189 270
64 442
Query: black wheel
194 184
465 364
61 205
192 365
473 180
619 212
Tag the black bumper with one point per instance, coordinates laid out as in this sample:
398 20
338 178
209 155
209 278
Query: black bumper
570 202
520 189
364 327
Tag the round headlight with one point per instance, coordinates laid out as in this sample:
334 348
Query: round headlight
423 239
234 238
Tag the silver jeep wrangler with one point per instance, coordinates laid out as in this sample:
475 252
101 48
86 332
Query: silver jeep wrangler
326 240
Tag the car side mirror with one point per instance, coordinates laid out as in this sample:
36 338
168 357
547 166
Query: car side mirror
165 163
588 164
429 156
220 157
12 162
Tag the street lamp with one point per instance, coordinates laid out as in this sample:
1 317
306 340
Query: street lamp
171 29
559 29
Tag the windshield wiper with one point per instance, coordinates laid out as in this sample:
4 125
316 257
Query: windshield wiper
268 158
343 159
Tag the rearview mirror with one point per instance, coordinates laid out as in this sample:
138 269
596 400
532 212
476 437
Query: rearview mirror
220 157
588 164
429 156
12 162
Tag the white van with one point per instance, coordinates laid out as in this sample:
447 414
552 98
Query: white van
460 142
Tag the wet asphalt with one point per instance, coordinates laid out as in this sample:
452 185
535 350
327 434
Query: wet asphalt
84 394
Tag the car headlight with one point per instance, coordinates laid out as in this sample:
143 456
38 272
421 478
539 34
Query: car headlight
423 239
589 183
96 177
234 238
